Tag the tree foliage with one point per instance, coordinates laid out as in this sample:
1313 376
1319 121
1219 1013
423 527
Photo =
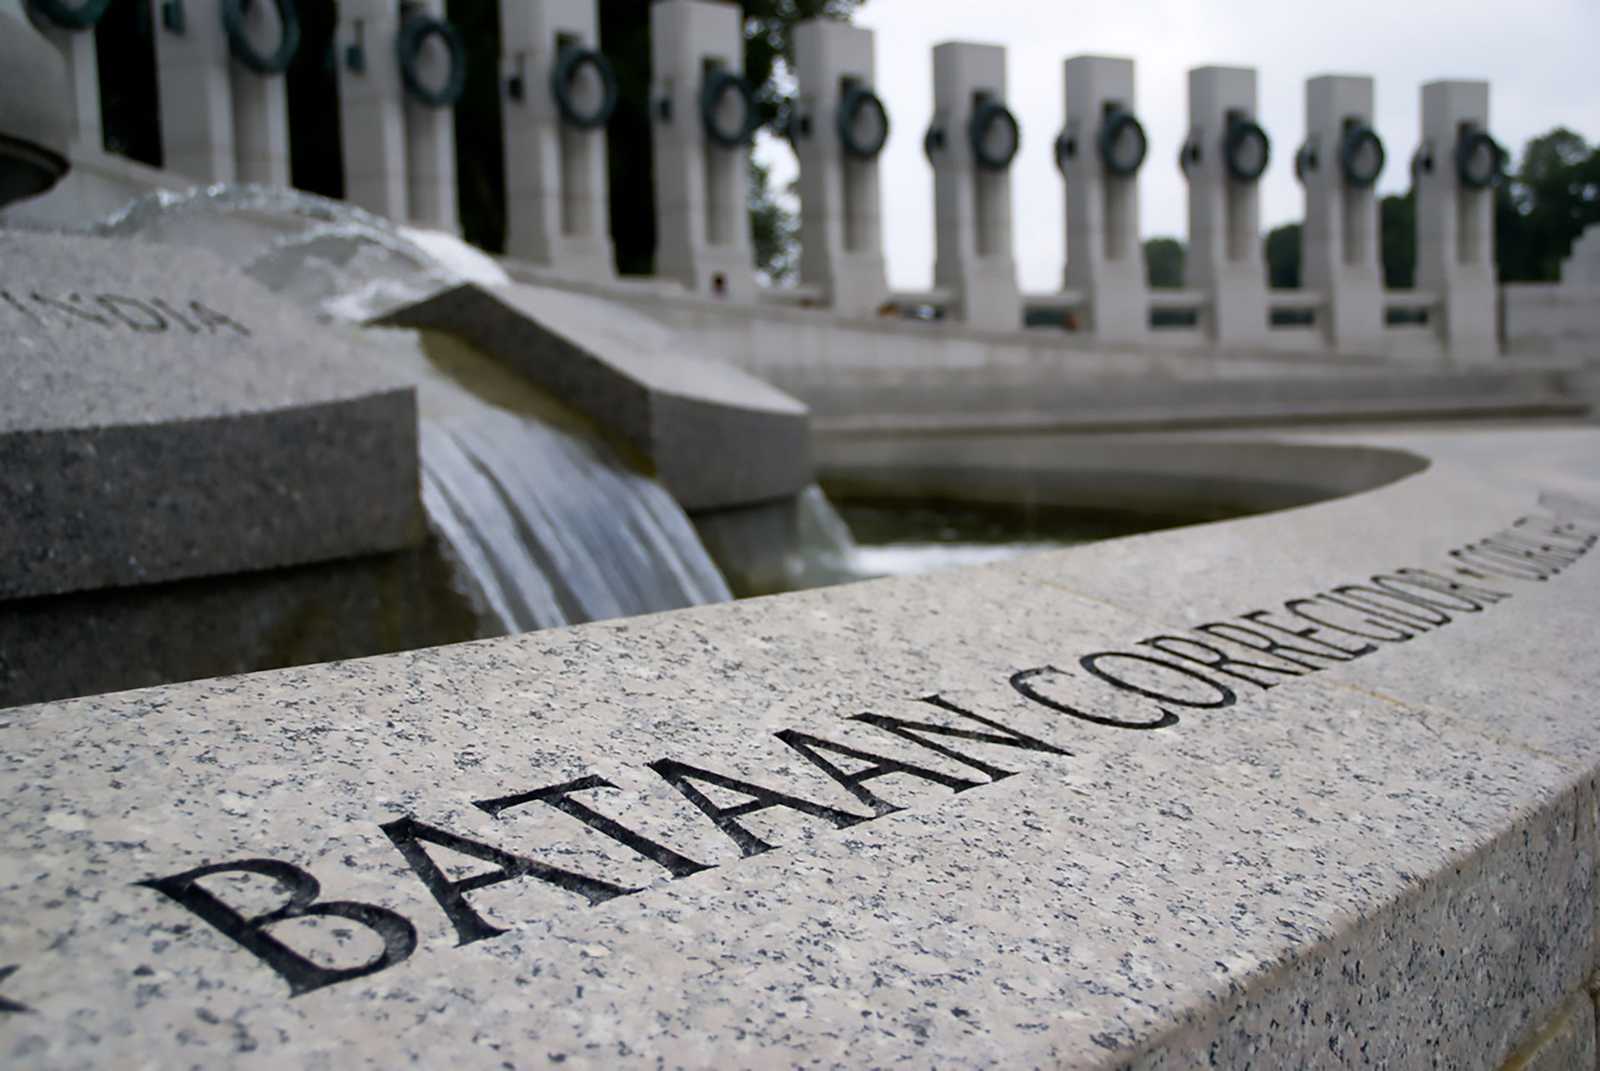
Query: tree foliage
774 228
1283 257
1549 199
1164 262
1397 239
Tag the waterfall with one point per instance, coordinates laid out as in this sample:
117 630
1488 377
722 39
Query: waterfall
546 524
823 532
824 551
554 532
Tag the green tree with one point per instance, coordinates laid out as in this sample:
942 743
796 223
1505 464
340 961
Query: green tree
1164 262
1397 224
1283 256
774 228
1544 205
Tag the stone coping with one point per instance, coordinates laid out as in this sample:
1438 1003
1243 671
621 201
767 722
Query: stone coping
1311 788
164 417
1017 400
1194 475
717 436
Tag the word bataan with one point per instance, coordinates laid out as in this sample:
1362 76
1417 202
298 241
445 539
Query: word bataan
1204 667
151 316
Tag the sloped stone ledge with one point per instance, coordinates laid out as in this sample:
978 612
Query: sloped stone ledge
715 436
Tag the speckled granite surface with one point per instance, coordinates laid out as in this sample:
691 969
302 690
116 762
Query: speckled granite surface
164 417
1331 834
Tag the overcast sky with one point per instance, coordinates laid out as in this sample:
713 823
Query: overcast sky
1539 56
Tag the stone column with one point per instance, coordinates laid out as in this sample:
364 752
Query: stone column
77 48
971 144
1099 153
372 128
702 222
431 139
260 103
841 233
35 127
1224 156
558 211
1454 172
195 82
220 120
1339 166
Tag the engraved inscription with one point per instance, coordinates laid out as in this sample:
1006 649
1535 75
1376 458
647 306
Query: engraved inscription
120 312
560 797
1209 667
409 835
399 937
10 1006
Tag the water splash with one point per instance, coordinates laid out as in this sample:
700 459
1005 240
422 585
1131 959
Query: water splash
824 551
545 522
823 532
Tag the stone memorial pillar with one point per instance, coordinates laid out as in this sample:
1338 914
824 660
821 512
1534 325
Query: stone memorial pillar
35 127
559 92
224 105
71 31
262 40
838 130
433 69
703 115
1099 154
1223 158
1455 170
196 91
1339 166
372 127
971 144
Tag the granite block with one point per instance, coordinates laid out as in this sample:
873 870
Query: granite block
165 418
115 639
966 819
714 435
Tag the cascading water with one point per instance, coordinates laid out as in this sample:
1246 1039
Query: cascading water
548 523
825 551
554 532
